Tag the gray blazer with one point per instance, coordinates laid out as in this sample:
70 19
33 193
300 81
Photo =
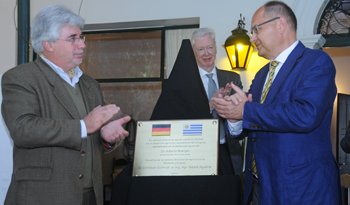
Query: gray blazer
225 77
48 153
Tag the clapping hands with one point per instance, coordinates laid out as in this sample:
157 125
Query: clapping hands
220 93
231 107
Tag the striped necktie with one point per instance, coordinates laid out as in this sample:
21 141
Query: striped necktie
266 89
274 64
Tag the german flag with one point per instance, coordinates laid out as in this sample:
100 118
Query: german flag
161 130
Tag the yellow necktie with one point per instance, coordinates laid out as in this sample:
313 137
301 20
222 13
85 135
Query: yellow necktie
269 81
71 73
274 64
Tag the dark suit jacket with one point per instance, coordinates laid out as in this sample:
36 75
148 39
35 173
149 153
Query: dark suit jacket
225 77
290 132
48 157
345 142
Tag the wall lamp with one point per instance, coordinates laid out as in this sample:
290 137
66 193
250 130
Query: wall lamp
238 47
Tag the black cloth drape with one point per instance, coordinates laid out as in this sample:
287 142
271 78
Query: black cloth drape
174 190
184 96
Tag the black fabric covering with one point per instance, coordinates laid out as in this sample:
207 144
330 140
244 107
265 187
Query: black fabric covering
184 96
175 190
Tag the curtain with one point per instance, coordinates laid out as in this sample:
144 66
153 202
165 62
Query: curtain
173 40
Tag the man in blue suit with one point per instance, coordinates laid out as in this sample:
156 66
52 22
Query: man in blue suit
286 116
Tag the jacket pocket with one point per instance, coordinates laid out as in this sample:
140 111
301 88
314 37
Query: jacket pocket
295 161
33 173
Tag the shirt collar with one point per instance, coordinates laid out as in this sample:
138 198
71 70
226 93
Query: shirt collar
202 72
282 57
62 74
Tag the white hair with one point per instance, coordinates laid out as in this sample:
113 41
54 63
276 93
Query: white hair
199 33
47 25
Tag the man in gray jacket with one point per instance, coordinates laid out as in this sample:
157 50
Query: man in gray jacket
54 114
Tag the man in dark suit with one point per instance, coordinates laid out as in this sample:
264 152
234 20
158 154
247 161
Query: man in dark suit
287 116
204 47
54 114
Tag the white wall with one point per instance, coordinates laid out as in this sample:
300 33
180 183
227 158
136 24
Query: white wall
341 61
221 15
7 60
6 145
7 35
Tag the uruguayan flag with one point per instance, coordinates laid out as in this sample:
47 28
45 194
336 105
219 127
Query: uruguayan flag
192 129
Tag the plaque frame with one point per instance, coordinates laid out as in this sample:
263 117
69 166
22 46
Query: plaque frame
176 148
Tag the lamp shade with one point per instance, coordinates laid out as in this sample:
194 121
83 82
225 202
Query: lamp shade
238 47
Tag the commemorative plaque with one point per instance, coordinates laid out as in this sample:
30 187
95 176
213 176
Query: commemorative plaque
176 148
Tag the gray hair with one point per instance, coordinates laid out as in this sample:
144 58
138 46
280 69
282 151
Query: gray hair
47 25
199 33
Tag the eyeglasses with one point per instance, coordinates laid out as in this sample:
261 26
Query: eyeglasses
255 29
201 50
74 41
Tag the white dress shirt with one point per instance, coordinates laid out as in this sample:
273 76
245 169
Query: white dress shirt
205 81
72 82
236 128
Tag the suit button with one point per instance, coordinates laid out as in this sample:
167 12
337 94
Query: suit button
82 153
249 170
254 139
81 176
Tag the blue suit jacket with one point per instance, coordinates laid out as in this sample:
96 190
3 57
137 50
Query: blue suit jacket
290 132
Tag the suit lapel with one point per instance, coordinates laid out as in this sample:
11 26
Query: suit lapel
222 79
58 88
286 68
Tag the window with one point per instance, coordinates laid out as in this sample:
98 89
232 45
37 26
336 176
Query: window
334 24
132 65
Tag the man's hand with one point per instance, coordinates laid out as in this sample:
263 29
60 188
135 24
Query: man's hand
217 94
220 93
231 107
114 132
99 116
227 90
